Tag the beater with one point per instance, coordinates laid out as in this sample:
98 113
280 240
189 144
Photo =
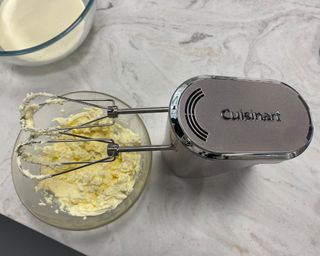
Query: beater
39 135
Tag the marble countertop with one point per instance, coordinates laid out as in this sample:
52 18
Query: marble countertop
140 51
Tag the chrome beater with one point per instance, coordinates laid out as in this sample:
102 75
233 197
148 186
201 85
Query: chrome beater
113 149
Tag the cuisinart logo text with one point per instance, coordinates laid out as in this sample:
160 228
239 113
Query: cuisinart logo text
228 114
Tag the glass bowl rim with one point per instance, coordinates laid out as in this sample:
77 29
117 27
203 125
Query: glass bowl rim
56 38
119 215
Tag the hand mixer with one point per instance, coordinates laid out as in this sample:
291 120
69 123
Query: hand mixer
215 124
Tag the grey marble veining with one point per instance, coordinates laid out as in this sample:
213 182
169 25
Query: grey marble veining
140 51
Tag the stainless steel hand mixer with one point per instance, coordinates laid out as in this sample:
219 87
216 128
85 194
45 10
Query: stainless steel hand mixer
215 124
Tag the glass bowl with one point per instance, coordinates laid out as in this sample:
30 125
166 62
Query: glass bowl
54 49
30 198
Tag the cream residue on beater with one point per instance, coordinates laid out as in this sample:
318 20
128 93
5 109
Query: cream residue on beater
28 109
27 172
21 155
95 189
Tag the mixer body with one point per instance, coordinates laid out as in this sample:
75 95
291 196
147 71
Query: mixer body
218 124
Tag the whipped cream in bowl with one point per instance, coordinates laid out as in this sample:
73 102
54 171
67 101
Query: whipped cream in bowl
92 196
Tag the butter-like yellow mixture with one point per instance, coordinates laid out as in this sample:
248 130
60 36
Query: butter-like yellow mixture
95 189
